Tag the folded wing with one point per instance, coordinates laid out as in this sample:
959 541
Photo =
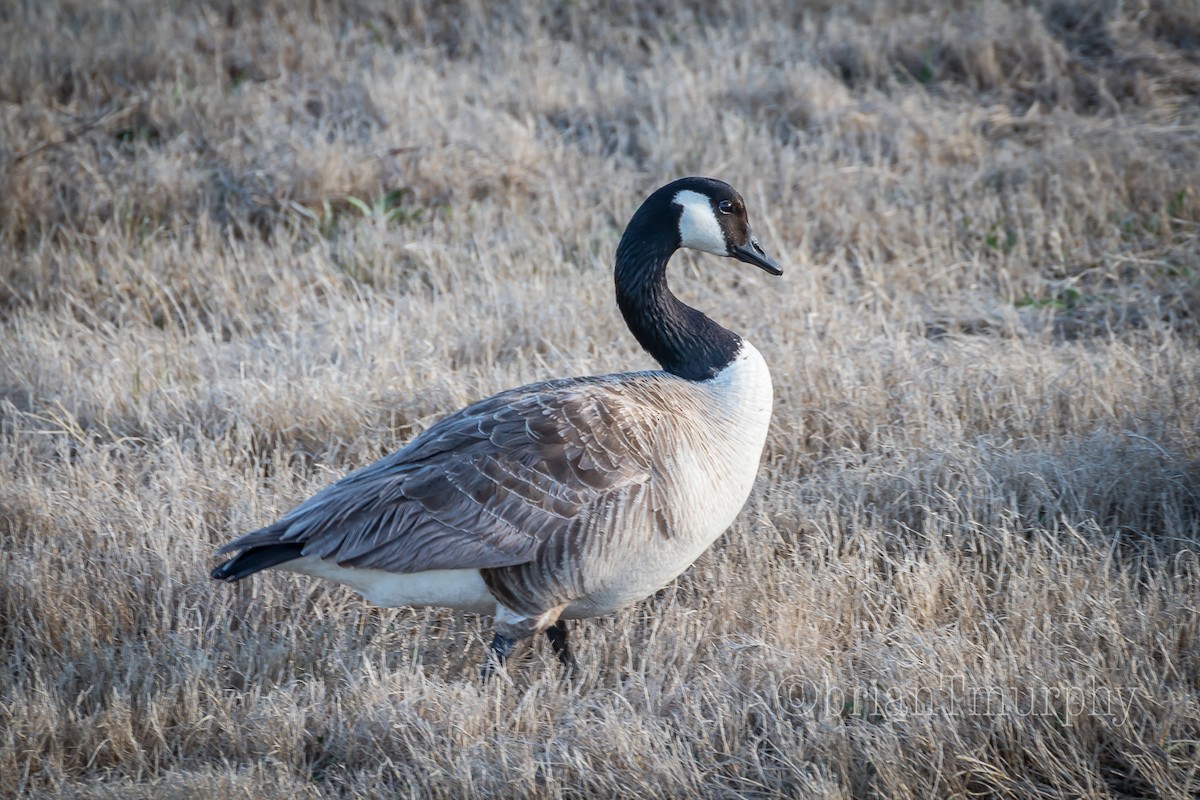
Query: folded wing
485 487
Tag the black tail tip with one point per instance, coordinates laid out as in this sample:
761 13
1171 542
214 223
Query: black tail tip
222 573
255 559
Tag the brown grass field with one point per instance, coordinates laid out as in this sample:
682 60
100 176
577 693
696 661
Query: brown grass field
245 248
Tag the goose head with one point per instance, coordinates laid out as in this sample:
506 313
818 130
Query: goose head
702 214
712 219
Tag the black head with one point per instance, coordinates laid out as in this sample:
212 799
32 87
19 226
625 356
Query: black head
711 217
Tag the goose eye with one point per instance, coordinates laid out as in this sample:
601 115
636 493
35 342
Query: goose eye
725 207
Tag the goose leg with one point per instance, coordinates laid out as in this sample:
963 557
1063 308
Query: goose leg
557 634
512 626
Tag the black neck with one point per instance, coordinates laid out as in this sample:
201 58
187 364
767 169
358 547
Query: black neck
684 341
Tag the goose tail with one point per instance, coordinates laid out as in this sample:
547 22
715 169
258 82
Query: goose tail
256 559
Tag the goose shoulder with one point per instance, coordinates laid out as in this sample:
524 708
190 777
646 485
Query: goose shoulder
487 486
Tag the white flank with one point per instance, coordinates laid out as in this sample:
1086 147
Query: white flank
698 226
463 589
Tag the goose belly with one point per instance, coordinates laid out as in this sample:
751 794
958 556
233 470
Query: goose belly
463 589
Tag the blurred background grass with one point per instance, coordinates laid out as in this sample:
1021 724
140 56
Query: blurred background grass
246 249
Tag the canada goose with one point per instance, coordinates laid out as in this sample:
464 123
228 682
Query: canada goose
568 498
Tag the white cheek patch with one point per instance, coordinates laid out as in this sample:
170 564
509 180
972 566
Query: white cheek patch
698 226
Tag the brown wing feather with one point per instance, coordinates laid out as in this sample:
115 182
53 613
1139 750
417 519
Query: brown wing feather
485 487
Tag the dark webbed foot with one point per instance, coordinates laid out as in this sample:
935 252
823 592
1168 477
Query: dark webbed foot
557 634
498 652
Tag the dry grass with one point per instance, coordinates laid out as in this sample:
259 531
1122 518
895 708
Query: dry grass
242 252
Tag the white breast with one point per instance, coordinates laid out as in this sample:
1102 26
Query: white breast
717 473
709 474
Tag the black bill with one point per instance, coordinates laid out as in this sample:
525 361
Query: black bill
752 253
